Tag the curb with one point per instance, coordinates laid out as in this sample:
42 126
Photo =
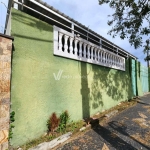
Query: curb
53 143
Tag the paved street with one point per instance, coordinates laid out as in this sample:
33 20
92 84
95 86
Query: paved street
128 130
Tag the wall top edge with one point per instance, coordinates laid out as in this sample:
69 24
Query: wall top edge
7 36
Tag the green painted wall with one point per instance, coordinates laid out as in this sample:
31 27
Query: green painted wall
83 89
144 78
133 76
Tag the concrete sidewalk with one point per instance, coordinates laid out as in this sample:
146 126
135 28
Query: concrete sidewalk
128 130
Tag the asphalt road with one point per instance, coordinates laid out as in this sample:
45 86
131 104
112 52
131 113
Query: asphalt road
128 130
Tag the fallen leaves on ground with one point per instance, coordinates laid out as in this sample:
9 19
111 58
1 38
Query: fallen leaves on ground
142 115
147 107
105 147
140 139
113 134
75 147
141 122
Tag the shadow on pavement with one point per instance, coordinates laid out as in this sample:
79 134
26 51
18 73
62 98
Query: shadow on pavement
122 129
115 141
116 134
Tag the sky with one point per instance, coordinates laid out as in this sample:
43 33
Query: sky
88 13
3 11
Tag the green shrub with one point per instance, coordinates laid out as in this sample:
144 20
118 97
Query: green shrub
64 118
12 119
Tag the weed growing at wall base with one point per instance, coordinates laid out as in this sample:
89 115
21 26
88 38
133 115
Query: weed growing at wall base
53 123
64 118
58 124
61 125
12 119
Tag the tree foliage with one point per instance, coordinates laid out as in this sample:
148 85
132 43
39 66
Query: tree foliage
131 19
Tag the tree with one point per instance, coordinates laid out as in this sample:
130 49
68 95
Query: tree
131 19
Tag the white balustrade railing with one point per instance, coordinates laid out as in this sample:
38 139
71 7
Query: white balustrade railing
73 47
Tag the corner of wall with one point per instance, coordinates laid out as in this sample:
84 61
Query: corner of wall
5 76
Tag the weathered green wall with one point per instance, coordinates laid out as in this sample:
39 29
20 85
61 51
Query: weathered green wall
83 89
133 76
144 78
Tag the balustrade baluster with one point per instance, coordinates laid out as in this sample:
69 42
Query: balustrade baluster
98 55
112 59
66 44
109 59
80 49
71 46
104 57
95 54
119 62
92 52
84 50
101 59
60 41
88 51
101 56
116 61
75 46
